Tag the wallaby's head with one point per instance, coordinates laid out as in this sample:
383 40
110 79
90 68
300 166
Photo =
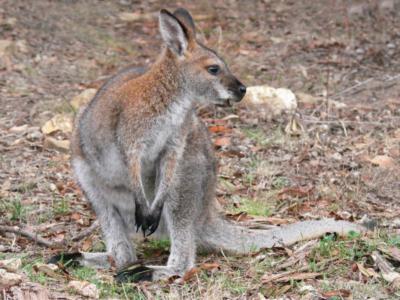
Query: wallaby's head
206 76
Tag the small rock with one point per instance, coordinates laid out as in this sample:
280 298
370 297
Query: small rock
85 288
60 145
9 279
83 98
269 101
35 135
11 265
60 122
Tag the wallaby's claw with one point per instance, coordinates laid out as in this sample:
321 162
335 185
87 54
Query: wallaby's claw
70 259
148 222
136 274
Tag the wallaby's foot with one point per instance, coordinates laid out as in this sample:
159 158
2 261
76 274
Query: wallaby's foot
148 221
98 260
137 273
70 259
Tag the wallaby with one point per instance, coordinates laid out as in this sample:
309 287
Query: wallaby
140 152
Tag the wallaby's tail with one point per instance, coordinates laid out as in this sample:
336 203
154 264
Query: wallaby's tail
223 234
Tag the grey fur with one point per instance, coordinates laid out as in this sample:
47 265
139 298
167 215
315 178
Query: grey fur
177 164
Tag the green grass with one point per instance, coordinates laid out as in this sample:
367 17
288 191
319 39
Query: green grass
61 206
14 209
158 244
28 268
107 289
252 207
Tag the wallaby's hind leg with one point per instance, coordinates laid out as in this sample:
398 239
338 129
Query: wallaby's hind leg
181 211
115 209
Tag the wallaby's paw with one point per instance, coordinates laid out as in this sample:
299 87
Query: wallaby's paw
153 220
148 221
135 274
71 259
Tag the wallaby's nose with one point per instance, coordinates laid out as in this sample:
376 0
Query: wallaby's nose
242 89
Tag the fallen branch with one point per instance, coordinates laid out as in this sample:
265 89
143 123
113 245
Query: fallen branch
387 270
84 233
30 235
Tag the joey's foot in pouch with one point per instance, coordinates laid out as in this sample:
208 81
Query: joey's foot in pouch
134 273
148 221
70 259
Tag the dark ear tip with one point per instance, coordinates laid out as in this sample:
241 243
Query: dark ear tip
163 11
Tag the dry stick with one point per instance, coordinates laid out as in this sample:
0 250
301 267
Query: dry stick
84 233
30 235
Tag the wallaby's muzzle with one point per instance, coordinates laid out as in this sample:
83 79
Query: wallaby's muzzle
238 90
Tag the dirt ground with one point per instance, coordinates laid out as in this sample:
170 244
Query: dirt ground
342 160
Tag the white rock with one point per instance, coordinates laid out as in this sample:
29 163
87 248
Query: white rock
60 122
269 101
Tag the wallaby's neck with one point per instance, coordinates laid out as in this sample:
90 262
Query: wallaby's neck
168 86
167 77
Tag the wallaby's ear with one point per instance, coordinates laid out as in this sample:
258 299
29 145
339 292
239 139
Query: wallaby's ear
173 32
184 17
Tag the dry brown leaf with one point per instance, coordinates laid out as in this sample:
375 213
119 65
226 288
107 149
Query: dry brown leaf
285 277
209 266
189 275
11 265
383 161
298 192
218 128
337 293
222 141
30 291
311 100
8 278
85 288
49 269
239 217
368 272
386 269
60 145
298 276
76 216
87 244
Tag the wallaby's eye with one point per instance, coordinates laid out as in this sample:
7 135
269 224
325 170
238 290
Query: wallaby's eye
213 70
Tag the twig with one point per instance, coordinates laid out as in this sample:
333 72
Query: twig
84 233
30 235
353 87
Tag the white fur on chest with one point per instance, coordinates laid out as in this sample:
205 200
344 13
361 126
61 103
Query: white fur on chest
167 128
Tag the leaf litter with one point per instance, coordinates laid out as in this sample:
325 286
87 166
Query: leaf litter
334 153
